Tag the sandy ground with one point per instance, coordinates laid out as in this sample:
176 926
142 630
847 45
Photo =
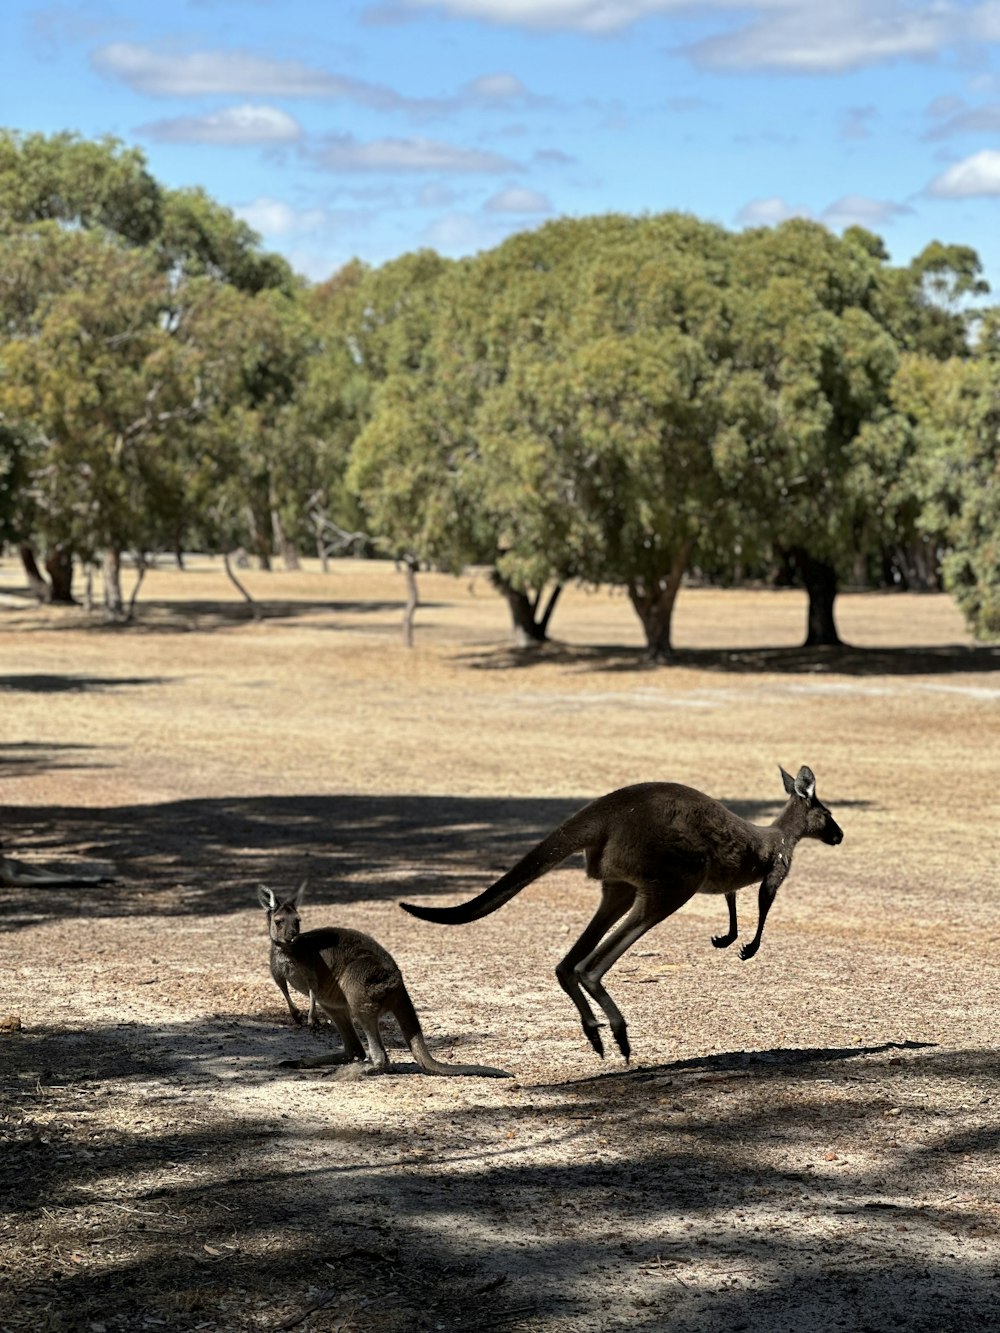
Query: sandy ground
807 1140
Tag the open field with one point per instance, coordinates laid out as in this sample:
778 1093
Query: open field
807 1140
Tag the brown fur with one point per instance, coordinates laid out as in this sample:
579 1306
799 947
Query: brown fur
355 982
653 846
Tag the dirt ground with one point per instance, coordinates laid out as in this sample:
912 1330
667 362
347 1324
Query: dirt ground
807 1140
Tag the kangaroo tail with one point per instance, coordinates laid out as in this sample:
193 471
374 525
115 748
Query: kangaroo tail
406 1017
568 838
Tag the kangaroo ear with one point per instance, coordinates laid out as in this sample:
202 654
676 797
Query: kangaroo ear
266 898
297 896
805 783
788 780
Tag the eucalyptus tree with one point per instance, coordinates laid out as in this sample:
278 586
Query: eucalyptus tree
953 407
596 441
821 464
812 329
121 307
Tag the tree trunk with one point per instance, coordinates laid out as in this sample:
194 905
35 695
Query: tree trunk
254 608
410 565
112 571
289 555
36 580
530 627
59 565
820 581
140 574
654 605
260 543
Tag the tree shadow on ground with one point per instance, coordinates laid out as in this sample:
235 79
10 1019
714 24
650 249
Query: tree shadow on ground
180 617
68 683
207 855
26 758
694 1196
954 659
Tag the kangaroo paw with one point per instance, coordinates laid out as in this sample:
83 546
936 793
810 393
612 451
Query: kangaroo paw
723 941
622 1041
593 1035
748 951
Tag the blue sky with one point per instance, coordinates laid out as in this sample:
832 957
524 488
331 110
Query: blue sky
372 127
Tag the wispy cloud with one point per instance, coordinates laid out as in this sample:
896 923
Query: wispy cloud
272 217
233 125
503 90
597 16
342 152
518 199
857 122
790 35
201 73
968 120
805 39
793 35
769 212
204 73
860 210
975 175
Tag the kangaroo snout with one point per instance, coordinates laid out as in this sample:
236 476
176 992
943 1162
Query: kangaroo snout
834 835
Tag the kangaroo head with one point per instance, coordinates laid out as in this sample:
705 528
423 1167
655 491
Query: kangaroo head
283 923
819 822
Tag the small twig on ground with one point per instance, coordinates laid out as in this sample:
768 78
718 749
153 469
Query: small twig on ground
322 1301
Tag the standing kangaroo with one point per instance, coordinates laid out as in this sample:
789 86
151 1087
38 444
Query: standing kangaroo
355 982
653 846
283 969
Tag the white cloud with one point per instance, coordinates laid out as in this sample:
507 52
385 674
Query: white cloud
518 199
342 152
859 210
272 217
975 175
805 39
582 15
457 233
769 212
203 73
233 125
498 88
435 195
790 35
970 120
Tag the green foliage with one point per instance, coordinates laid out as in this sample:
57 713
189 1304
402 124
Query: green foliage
601 399
953 409
149 356
63 178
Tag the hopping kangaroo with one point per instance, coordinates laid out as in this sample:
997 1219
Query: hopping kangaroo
354 981
653 846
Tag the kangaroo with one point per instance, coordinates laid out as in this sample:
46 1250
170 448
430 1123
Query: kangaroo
653 846
283 970
355 982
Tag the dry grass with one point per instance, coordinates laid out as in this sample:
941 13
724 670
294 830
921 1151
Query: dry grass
807 1140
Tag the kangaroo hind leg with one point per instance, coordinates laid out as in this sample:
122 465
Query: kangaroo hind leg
648 910
616 898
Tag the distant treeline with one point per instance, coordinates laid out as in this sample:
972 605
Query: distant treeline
603 400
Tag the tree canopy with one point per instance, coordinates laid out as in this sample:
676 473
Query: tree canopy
606 399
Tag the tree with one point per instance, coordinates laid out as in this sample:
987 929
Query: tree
953 408
823 322
121 307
